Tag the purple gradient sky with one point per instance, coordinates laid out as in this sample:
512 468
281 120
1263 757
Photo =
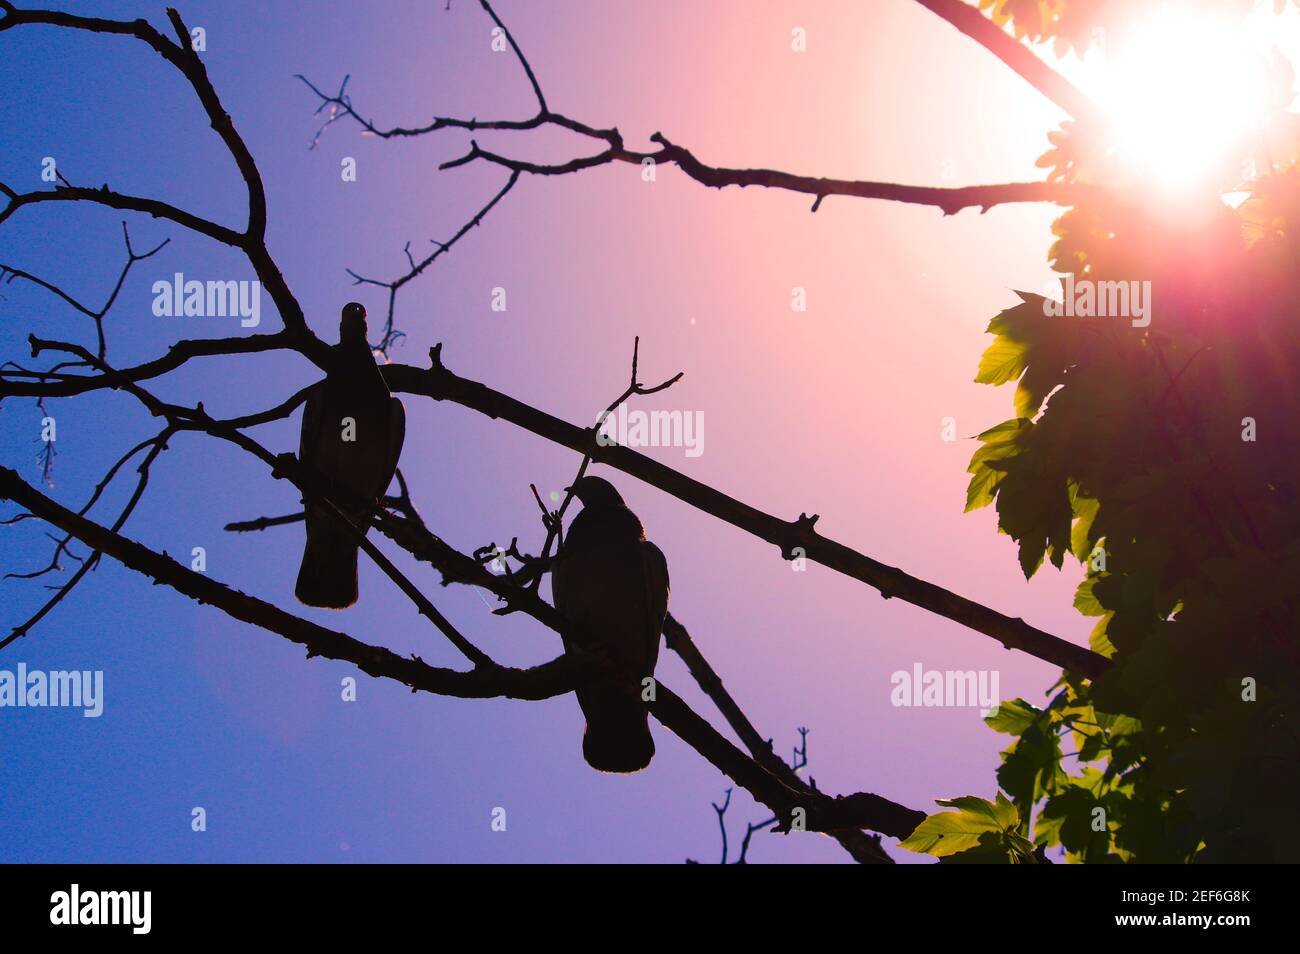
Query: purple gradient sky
836 411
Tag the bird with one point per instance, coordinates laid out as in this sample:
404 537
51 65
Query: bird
612 583
352 434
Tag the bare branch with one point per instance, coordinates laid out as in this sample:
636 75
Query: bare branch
179 353
561 675
417 268
263 523
441 384
252 241
555 522
970 21
9 273
130 203
540 682
156 446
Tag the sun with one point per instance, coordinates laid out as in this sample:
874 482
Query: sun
1185 91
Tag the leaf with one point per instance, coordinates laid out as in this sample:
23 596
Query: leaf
1031 766
1029 347
1098 641
1006 812
1034 509
1085 600
993 849
1038 381
1006 431
1000 442
1068 817
947 833
981 489
1002 361
1012 717
1081 539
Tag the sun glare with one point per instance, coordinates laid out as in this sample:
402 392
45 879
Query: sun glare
1181 91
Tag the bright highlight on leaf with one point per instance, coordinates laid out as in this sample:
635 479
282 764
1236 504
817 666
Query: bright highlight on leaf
989 827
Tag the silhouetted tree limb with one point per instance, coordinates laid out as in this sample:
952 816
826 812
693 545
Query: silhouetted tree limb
821 812
441 384
788 535
121 201
949 200
972 22
263 523
285 465
251 241
9 274
766 777
156 445
177 355
417 268
797 762
540 682
559 676
402 525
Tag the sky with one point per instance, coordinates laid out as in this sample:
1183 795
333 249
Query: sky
837 410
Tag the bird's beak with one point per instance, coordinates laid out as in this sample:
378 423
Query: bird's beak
568 490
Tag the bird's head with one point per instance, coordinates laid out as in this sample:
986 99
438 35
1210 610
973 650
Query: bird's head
352 325
596 492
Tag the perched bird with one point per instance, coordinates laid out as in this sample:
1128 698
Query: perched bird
352 433
612 582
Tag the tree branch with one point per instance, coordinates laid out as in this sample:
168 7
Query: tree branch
540 682
179 353
970 21
441 384
559 676
949 200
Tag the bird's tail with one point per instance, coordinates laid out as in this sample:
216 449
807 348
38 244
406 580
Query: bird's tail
618 732
328 575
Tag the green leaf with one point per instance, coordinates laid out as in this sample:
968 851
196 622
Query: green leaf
1098 641
1085 600
947 833
1070 815
1002 361
999 443
1006 813
1012 716
1006 431
993 849
1081 539
1031 766
1034 509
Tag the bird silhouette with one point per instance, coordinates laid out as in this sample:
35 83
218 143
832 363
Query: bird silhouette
352 433
612 582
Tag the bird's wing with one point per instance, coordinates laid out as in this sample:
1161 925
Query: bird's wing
656 587
562 590
613 585
565 572
309 434
559 595
386 465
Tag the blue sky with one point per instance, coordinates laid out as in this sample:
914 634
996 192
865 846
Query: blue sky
836 411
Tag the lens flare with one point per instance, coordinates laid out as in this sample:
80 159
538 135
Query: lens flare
1183 91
